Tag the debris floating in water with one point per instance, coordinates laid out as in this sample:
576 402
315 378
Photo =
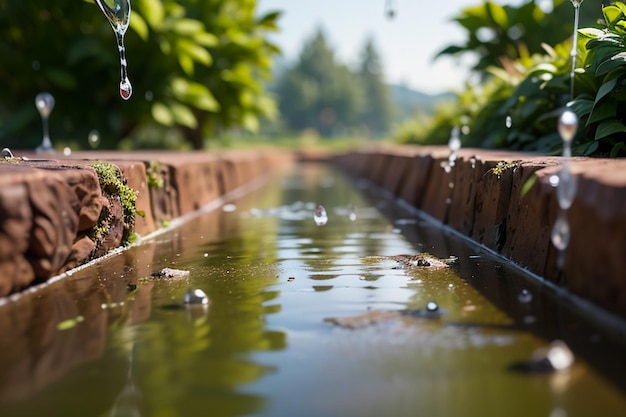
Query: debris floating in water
170 273
320 216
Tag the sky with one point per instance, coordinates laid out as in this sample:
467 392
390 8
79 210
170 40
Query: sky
407 43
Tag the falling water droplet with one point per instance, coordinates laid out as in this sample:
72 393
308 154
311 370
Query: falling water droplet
352 215
566 192
508 122
45 103
454 143
525 296
554 180
568 124
561 233
119 18
320 216
93 138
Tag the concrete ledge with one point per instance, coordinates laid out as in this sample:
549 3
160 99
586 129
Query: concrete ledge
504 201
48 207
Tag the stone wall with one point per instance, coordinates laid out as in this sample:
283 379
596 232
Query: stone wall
49 207
504 201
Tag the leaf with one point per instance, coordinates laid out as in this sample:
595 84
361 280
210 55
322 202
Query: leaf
605 88
619 146
162 114
612 63
69 323
602 111
183 115
528 184
609 127
140 27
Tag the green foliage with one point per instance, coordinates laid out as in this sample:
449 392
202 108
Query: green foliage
518 102
496 33
196 66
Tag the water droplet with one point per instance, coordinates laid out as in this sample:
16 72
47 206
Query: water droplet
454 143
93 138
508 122
432 306
119 18
229 208
473 161
451 184
352 216
450 286
568 124
196 296
566 192
448 201
525 296
45 103
67 151
126 89
320 216
561 233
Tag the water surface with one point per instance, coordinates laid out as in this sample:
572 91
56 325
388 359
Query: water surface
110 341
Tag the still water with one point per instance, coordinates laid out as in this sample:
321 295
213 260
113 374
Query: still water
109 340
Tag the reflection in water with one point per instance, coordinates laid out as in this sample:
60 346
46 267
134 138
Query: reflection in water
260 346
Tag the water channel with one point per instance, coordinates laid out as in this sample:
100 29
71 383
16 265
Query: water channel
277 338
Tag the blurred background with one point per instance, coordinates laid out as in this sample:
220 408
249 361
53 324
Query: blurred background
209 74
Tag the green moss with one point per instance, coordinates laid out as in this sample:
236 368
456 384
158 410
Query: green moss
113 184
155 179
502 166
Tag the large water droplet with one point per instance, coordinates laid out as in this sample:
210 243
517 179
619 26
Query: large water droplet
561 233
508 122
45 103
118 15
320 216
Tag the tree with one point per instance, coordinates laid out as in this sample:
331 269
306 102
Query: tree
377 108
318 92
196 66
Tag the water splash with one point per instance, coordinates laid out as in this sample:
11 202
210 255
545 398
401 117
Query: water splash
118 14
45 103
320 216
